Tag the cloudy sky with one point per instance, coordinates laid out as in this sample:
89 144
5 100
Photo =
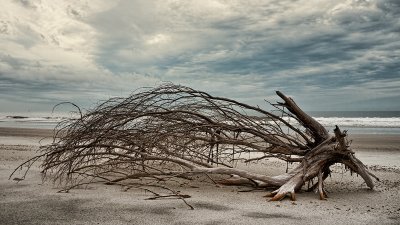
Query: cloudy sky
328 55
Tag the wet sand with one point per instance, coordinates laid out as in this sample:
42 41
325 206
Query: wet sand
350 202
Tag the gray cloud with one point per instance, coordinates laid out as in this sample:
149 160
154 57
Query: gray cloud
328 54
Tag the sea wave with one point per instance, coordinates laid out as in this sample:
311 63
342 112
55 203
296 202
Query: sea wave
356 122
24 119
32 120
369 122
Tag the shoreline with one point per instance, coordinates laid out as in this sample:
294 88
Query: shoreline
360 139
32 202
25 132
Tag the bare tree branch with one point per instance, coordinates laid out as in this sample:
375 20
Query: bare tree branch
174 131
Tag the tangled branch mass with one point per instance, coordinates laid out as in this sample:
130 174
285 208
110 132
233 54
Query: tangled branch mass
176 132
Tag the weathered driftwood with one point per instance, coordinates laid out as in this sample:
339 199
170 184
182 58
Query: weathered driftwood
176 132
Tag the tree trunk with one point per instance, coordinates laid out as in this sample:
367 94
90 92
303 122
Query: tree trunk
327 150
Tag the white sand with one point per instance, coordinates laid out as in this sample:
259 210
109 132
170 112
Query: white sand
32 202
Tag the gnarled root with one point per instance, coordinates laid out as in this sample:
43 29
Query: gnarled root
321 191
289 188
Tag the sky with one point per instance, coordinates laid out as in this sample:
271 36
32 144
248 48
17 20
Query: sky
328 55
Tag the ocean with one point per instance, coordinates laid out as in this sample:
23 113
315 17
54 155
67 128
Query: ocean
360 122
44 120
355 122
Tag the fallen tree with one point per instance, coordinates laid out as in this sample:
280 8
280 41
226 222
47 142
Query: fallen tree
176 132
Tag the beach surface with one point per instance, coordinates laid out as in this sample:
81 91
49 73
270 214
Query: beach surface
31 201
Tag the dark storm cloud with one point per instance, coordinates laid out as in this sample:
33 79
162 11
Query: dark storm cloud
319 51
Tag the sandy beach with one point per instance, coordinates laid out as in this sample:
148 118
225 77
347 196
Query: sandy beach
350 202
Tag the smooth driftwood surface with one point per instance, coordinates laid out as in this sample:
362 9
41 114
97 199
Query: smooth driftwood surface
176 132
